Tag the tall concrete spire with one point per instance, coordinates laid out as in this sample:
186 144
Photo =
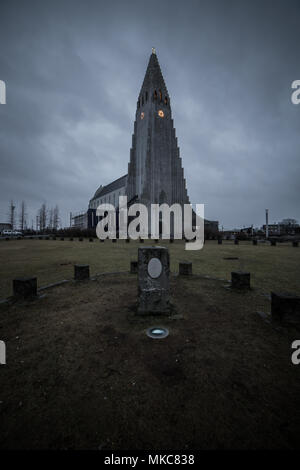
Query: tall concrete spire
155 173
154 80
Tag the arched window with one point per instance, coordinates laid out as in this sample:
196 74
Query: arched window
142 101
146 95
166 100
160 95
155 94
139 103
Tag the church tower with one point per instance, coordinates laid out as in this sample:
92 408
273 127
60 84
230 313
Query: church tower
155 173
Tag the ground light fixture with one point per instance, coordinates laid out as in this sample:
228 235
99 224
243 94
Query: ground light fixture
157 332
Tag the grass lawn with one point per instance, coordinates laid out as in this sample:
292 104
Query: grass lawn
272 268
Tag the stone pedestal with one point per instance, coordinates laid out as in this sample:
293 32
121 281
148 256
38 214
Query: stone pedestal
153 280
295 244
81 272
133 267
240 280
185 268
285 307
25 288
236 242
254 242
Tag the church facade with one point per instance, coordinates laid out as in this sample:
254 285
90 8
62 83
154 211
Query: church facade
155 172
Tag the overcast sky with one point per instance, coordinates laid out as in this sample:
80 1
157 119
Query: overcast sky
73 71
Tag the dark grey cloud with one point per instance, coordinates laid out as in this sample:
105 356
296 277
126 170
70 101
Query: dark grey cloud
73 70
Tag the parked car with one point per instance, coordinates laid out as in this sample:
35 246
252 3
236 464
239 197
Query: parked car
7 233
12 233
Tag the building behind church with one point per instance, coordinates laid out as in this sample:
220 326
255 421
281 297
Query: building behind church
155 171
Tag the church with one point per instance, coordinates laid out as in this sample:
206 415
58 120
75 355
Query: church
155 172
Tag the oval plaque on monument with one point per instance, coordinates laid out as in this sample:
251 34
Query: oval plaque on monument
154 268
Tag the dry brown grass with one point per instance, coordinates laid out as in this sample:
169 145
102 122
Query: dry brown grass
81 372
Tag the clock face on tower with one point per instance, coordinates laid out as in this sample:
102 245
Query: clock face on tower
142 115
161 113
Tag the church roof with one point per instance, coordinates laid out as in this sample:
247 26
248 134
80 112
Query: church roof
154 79
113 186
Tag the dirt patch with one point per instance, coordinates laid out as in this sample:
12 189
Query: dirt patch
82 373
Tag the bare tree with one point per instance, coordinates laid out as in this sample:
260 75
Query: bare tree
51 218
22 216
43 217
56 218
11 214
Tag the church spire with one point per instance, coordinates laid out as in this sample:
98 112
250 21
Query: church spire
155 173
154 84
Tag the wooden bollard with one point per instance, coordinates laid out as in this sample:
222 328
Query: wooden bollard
240 280
254 242
185 268
133 267
25 287
285 307
81 272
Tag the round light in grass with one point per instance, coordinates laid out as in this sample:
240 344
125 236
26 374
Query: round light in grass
157 332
